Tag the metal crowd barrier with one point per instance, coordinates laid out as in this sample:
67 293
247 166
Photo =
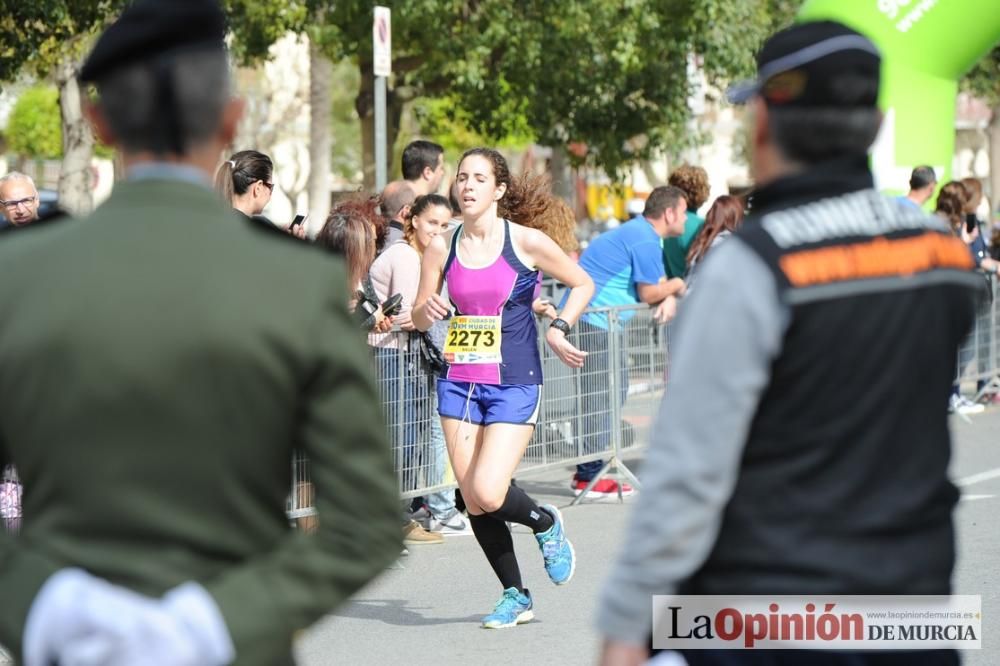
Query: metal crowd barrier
600 412
978 355
604 410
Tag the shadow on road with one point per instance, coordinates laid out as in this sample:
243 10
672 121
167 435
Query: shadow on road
398 612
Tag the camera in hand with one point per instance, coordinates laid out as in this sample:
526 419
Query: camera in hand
392 305
368 309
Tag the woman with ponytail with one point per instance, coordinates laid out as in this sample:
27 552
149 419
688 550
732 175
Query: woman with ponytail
245 181
397 271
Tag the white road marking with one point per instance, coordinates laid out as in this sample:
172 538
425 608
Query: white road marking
978 478
976 497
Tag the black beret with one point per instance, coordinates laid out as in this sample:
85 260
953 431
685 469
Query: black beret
148 29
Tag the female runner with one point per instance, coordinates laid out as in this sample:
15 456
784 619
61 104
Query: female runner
489 396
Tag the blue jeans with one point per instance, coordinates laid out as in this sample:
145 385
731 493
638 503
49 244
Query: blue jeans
402 393
597 420
441 504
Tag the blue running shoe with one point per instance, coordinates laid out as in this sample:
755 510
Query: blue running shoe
513 609
557 551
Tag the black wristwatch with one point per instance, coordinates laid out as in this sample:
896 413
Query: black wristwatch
561 325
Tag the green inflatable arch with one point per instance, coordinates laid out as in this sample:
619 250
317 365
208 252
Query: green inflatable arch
927 45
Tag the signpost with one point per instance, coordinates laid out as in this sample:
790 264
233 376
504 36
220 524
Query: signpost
382 60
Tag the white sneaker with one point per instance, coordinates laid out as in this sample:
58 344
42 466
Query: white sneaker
421 515
453 525
959 404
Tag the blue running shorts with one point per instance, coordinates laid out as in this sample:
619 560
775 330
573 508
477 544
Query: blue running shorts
485 404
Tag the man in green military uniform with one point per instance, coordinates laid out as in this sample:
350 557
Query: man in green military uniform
161 360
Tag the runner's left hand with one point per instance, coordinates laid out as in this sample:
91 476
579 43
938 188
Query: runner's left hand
566 352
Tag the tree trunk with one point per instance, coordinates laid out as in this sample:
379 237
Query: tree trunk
562 176
994 136
320 136
364 104
75 194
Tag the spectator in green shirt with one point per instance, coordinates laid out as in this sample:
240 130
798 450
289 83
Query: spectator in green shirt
693 181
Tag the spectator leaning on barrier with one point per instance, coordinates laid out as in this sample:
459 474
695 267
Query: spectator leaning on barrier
973 225
988 264
951 205
693 182
954 204
923 182
395 205
352 230
626 265
181 358
722 220
423 166
397 270
785 458
404 379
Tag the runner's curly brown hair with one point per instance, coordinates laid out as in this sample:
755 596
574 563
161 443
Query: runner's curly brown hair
529 201
526 197
559 223
694 181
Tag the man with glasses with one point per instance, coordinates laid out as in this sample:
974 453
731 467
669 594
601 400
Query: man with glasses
19 199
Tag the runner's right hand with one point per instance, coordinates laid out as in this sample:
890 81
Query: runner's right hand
437 307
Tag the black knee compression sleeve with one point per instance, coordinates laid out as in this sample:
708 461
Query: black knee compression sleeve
518 508
494 538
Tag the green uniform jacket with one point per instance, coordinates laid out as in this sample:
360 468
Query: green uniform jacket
159 362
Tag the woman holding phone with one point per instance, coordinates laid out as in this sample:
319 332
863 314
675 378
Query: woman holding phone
489 395
246 182
397 271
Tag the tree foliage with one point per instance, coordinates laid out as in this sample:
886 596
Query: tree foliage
611 75
37 35
983 80
34 129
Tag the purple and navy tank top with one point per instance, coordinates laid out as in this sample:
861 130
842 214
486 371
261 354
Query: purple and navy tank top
504 289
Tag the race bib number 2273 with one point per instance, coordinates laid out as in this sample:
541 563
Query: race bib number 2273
473 340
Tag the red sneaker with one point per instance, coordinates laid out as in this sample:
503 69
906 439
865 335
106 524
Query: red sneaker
605 488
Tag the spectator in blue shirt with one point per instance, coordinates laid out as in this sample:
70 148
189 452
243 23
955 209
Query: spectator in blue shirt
626 264
923 182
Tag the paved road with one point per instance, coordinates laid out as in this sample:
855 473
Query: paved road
428 610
